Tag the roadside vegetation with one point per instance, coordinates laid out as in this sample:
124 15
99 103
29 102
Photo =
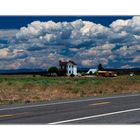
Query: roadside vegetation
25 89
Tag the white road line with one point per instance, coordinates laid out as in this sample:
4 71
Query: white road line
67 102
95 116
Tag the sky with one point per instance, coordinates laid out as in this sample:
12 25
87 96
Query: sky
41 41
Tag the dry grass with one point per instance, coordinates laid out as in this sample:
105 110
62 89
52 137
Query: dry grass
17 89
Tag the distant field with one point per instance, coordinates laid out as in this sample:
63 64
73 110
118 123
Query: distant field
19 88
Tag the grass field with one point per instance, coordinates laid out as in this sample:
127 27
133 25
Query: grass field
19 89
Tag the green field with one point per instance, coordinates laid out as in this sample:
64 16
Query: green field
19 88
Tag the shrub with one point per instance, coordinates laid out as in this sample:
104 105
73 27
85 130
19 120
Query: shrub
72 75
53 70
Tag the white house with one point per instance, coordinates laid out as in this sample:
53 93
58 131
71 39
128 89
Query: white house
68 67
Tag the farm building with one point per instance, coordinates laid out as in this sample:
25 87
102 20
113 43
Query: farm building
91 71
106 73
67 68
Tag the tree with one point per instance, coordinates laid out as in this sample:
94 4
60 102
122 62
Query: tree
100 67
52 70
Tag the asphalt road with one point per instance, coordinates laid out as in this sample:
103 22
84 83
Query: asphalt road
123 109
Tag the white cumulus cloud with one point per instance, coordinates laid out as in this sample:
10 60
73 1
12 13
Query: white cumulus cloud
40 44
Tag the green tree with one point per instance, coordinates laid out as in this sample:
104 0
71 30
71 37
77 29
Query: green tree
100 67
53 70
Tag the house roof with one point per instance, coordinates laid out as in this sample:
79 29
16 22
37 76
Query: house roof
72 62
64 63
